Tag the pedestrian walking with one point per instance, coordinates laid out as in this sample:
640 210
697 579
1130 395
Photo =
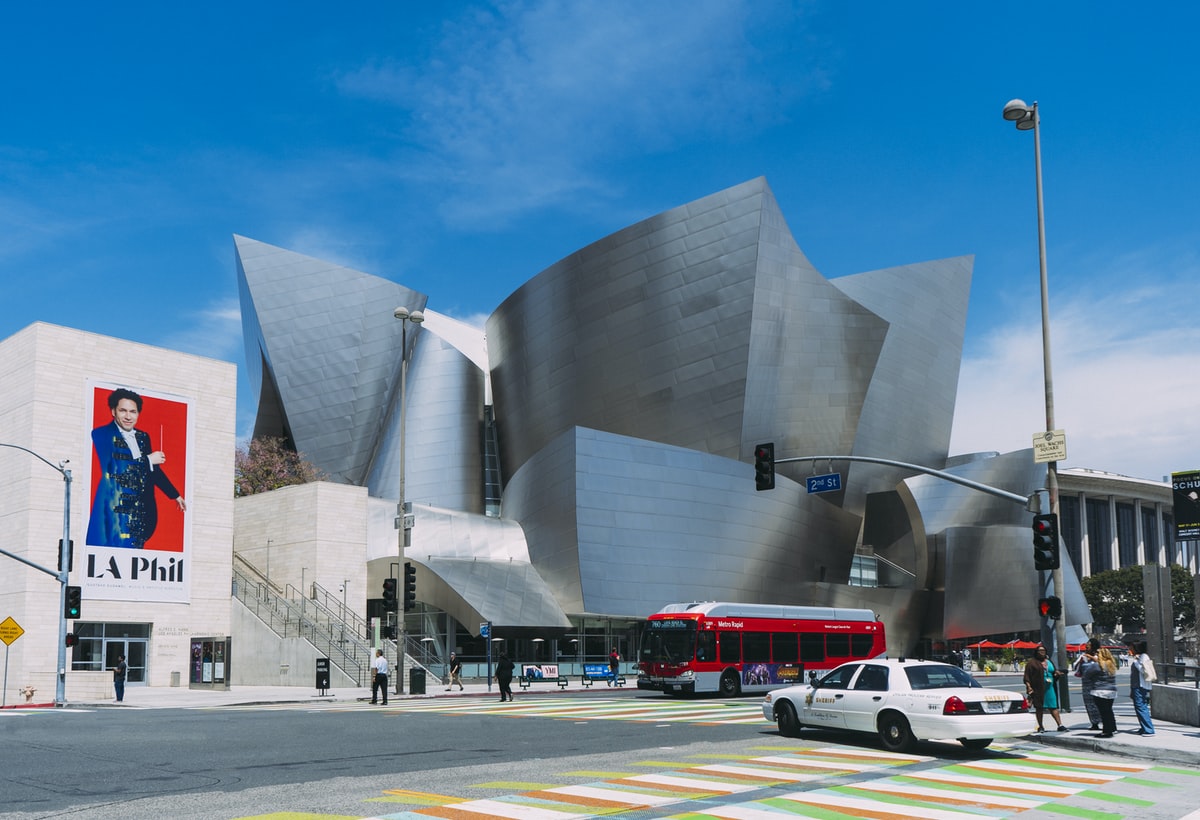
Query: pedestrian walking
120 671
455 672
614 666
504 676
1041 684
1141 674
1089 703
1100 678
380 681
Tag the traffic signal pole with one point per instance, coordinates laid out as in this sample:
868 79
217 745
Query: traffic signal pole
63 574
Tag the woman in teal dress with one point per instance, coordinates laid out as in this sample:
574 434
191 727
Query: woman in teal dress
1041 685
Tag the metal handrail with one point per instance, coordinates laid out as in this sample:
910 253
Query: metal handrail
1181 673
288 619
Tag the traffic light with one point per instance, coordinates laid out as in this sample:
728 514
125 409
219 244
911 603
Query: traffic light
410 587
72 639
1050 608
74 604
389 594
764 466
1045 542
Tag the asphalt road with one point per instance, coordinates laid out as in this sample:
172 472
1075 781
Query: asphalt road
355 760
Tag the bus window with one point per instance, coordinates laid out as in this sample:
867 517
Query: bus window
731 647
756 647
812 647
783 647
862 645
837 646
706 646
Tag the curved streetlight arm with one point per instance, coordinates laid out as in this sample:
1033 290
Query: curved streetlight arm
951 477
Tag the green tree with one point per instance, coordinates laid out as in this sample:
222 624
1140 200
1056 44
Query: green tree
268 464
1116 598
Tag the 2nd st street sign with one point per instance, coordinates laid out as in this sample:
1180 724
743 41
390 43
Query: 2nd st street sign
827 483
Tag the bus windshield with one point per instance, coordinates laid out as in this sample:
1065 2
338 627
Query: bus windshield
669 642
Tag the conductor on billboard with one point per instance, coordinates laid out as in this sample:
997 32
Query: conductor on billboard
139 472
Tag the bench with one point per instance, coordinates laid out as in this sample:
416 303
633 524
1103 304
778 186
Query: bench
593 672
546 673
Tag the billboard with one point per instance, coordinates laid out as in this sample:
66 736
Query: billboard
1185 488
138 535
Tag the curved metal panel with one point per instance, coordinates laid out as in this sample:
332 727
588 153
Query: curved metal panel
333 355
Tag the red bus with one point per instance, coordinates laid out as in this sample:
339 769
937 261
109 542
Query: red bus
735 648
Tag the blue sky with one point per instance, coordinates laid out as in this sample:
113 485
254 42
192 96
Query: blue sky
461 148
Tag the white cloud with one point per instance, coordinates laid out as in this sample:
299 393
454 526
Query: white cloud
1124 364
520 106
214 331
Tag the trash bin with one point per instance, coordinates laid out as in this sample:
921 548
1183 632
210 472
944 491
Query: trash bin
416 681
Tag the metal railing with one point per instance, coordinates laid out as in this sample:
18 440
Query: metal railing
1180 673
334 629
289 618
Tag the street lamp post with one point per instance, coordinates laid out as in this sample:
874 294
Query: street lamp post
416 317
63 574
1026 118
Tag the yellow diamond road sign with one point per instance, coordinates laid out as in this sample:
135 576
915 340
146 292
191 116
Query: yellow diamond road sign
10 630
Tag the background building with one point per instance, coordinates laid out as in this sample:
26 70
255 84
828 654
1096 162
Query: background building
166 608
609 414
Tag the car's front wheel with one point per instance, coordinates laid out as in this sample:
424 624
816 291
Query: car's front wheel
895 732
786 719
976 744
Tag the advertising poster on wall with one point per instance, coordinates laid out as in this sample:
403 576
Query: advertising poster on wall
138 534
1185 489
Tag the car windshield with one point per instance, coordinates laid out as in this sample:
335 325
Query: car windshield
940 676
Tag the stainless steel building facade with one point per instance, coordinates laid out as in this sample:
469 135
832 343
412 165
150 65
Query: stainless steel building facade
617 397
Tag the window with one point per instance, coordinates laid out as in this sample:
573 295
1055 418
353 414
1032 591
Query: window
872 679
812 647
839 678
756 647
783 647
730 644
838 645
861 645
706 646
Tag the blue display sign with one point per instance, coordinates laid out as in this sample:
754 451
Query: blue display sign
823 483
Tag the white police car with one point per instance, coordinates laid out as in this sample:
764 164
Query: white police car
903 701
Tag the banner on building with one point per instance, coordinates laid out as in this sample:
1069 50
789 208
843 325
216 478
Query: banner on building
1186 490
138 537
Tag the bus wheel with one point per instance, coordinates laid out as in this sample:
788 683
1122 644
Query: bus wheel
895 733
785 718
730 686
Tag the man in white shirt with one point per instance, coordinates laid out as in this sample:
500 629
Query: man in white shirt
380 680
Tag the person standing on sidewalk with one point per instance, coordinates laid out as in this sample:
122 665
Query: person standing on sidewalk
614 666
1100 679
1141 675
380 681
455 672
119 672
1087 656
1041 684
